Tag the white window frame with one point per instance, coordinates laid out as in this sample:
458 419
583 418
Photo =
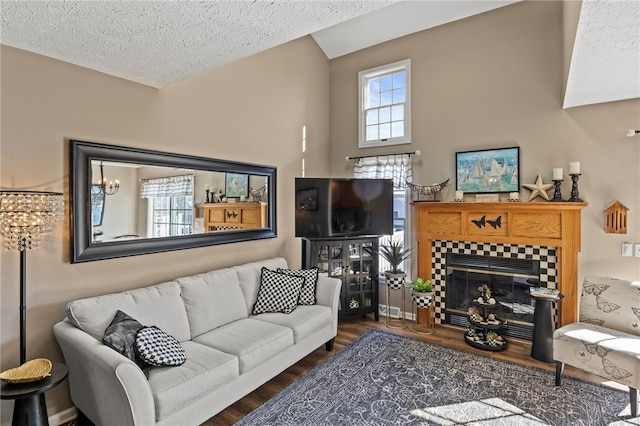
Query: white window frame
151 215
363 79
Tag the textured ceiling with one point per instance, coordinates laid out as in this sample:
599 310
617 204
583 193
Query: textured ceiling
605 64
161 42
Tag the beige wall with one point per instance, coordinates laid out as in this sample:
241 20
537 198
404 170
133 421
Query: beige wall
252 110
497 80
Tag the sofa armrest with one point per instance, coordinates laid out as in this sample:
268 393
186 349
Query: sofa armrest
328 294
107 387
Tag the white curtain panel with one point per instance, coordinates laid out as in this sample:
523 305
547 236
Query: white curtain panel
171 186
396 167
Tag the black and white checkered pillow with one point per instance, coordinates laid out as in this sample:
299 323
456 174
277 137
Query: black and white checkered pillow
278 292
155 347
308 291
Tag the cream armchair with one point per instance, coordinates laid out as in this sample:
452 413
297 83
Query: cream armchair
606 340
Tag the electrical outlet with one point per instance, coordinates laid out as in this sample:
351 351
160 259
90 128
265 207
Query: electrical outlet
627 249
637 249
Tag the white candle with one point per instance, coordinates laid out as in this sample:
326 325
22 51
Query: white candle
574 167
459 195
514 195
207 187
557 173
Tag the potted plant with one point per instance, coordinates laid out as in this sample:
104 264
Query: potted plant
394 252
422 287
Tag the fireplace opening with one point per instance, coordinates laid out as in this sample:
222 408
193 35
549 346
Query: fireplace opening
509 280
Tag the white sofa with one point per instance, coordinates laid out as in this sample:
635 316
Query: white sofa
230 352
606 340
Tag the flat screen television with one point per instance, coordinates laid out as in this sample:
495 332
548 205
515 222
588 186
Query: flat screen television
332 207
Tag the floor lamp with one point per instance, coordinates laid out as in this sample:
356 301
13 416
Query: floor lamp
25 217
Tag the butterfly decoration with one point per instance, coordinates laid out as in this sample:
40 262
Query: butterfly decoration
496 223
592 321
232 215
593 288
480 223
636 311
605 306
595 349
615 372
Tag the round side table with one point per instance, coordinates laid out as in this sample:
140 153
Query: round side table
30 408
543 327
420 301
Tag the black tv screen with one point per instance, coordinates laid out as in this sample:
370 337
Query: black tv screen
331 207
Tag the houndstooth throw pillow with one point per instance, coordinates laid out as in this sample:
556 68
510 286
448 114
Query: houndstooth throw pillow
308 290
155 347
278 292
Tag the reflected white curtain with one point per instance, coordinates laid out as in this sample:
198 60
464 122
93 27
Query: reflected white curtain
396 167
171 186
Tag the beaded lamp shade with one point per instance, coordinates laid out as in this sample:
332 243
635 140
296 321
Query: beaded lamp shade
26 216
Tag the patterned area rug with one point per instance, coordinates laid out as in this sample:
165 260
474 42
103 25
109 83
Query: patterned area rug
386 379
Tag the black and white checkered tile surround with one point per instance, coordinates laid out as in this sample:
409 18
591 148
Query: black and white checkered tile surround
439 249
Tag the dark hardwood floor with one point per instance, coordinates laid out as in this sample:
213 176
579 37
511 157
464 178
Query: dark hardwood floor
518 351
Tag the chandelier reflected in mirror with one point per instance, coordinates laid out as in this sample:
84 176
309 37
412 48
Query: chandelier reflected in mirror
102 187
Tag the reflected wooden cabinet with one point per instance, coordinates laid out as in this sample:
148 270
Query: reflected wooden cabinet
229 216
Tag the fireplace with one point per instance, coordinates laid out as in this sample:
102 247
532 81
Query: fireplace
544 232
509 280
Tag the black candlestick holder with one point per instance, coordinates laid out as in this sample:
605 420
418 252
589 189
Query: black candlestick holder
557 195
208 192
575 195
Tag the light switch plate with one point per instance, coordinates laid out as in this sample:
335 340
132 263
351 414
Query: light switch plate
627 249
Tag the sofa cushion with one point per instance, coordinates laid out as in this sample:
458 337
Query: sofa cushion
205 369
611 302
212 299
304 321
278 292
249 277
308 290
157 348
252 341
121 334
600 350
159 305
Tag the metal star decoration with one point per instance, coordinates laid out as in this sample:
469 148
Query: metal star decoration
538 189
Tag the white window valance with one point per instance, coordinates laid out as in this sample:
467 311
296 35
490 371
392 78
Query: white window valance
396 167
170 186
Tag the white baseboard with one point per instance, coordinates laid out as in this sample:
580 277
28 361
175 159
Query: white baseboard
394 312
63 417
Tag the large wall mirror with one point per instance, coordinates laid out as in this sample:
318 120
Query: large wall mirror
128 201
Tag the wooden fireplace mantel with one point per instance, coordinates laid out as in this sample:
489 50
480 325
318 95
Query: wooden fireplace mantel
538 223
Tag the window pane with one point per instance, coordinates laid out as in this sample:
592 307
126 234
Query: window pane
397 129
397 113
161 203
374 85
373 100
398 96
178 202
385 98
385 82
385 115
372 133
372 117
398 79
385 131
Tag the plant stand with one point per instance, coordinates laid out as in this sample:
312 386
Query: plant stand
423 302
400 322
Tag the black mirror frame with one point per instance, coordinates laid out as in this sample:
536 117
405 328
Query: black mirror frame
82 153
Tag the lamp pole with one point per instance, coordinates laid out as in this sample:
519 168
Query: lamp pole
23 305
